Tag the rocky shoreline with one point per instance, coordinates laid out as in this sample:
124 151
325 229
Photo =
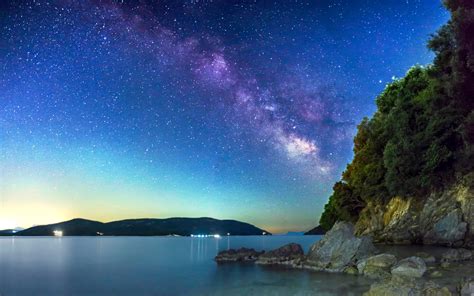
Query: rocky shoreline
341 251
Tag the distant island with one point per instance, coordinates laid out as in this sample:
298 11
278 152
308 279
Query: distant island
318 230
142 227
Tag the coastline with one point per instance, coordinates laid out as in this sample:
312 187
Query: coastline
395 269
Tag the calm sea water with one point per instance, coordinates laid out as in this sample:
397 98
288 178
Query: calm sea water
156 266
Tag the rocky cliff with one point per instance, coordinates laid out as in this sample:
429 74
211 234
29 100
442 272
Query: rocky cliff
412 175
444 218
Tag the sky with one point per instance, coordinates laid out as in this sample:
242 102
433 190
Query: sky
239 110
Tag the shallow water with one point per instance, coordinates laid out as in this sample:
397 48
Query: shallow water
155 266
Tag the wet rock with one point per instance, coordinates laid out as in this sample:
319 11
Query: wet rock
467 287
239 255
453 255
405 286
432 289
410 267
377 266
445 265
396 286
436 274
287 255
351 270
428 258
375 272
339 248
382 260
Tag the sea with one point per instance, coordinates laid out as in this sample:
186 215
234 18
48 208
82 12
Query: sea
157 266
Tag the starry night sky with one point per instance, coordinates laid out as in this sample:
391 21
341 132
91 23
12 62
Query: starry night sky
238 110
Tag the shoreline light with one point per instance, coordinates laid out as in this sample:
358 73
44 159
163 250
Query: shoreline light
206 235
58 233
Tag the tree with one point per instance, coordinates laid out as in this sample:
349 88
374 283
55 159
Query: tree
422 135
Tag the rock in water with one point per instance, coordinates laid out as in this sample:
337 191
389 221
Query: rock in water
339 248
453 255
239 255
404 286
287 255
377 266
467 287
410 267
382 260
395 286
427 257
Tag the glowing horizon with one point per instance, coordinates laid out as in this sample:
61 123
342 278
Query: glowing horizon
115 110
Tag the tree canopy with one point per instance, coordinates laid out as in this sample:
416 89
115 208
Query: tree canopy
421 137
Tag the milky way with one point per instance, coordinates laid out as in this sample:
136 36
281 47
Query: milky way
118 109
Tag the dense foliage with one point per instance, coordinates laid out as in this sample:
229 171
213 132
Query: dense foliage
421 137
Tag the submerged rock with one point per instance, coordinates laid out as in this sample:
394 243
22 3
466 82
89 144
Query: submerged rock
453 255
239 255
410 267
289 254
428 258
339 248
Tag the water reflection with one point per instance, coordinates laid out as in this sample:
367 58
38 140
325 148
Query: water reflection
151 265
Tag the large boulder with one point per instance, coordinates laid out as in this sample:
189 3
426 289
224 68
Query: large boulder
410 267
287 255
339 248
239 255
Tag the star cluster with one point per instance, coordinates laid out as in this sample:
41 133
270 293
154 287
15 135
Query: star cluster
243 110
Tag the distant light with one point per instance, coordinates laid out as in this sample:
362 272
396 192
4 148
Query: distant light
58 233
228 233
263 233
217 236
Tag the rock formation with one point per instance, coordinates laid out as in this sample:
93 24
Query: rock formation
240 255
339 248
290 254
445 218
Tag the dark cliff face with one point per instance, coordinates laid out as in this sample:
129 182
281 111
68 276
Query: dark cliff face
411 177
145 227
